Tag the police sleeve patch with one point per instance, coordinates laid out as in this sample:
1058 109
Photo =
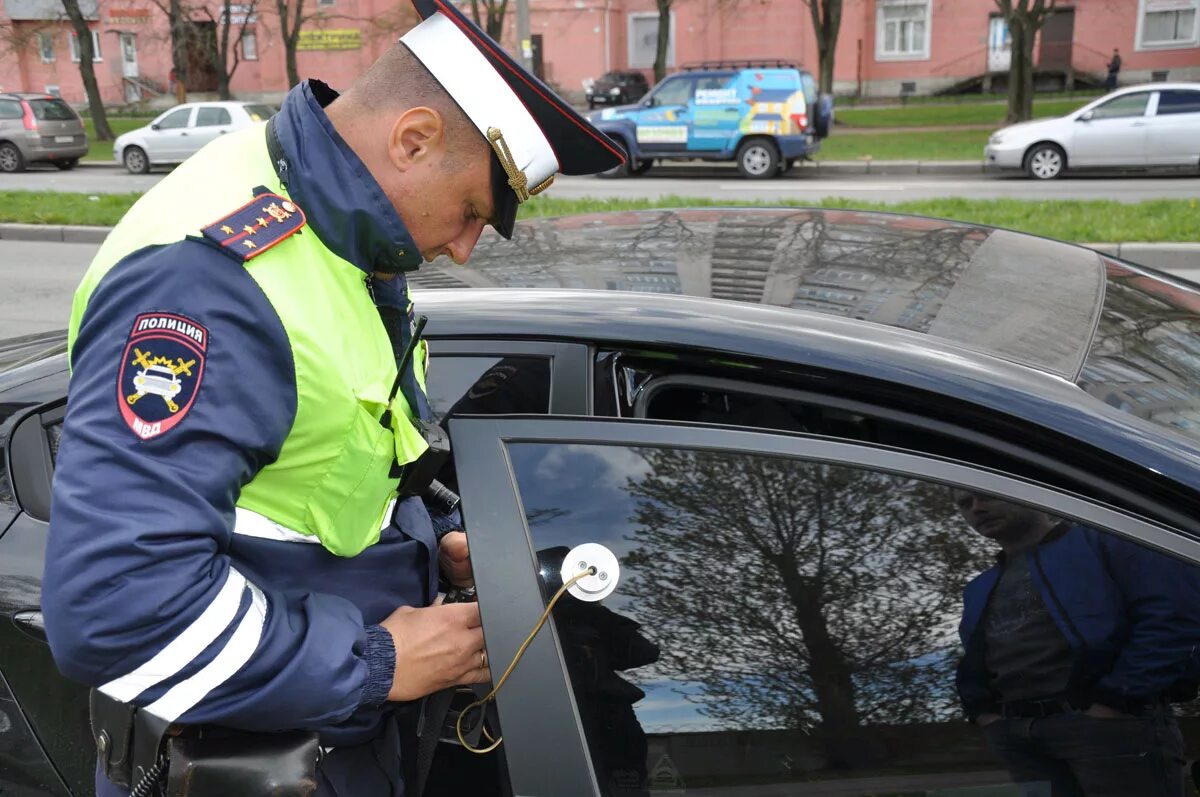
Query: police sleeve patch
160 372
255 227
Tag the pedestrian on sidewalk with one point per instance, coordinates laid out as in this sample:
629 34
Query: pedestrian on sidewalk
1114 69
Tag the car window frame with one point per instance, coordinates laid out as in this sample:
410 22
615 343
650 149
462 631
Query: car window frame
570 366
1151 97
1162 92
160 129
17 104
538 709
30 461
195 120
652 99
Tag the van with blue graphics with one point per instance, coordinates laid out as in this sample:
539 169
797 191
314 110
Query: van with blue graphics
764 116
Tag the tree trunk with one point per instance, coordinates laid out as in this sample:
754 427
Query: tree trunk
87 70
827 23
177 18
664 39
832 683
1020 72
289 30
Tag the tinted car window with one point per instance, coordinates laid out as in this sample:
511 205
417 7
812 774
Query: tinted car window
175 119
52 110
1128 105
491 385
674 91
1178 101
10 109
207 117
786 622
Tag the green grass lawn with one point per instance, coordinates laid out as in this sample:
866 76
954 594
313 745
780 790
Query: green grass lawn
1085 221
950 145
102 150
942 115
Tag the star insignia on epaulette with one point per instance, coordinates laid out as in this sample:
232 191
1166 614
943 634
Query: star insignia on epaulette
268 217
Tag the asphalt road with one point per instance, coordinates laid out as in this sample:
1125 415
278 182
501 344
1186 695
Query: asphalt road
38 279
723 182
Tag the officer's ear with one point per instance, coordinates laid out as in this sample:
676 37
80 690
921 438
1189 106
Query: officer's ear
416 138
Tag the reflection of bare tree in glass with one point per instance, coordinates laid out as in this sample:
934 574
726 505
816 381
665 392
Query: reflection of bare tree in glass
799 595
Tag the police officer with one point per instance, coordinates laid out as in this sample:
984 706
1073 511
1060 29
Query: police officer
237 540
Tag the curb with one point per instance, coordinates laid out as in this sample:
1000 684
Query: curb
897 167
54 233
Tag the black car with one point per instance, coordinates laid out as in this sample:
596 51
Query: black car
761 414
617 88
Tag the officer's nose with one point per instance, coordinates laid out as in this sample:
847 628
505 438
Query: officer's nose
461 247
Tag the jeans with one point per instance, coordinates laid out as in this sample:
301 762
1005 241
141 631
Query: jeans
1076 755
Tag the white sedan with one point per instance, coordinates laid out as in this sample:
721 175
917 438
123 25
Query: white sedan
181 132
1147 126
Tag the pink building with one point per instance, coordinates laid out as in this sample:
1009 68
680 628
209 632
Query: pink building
886 47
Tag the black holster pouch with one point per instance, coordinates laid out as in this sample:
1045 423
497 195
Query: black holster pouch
199 761
216 761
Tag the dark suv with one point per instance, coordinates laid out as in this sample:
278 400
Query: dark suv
617 88
39 127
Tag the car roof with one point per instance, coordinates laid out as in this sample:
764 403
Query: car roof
1073 315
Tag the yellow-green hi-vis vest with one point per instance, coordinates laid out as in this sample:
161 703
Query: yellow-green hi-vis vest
332 479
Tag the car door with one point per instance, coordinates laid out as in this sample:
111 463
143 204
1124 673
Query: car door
1113 133
211 122
11 119
717 108
54 708
662 126
786 610
169 136
1174 131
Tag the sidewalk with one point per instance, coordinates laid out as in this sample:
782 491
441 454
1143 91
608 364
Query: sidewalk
1173 256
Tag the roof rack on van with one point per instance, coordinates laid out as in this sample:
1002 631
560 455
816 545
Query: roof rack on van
770 63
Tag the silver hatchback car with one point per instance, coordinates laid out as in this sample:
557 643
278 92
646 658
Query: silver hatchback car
39 127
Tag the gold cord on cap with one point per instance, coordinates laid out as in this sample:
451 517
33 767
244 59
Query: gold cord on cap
517 180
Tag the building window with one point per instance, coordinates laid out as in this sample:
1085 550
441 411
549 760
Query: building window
902 29
95 47
643 40
250 46
1165 24
46 46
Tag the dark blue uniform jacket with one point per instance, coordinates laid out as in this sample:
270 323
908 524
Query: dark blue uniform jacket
147 590
1130 614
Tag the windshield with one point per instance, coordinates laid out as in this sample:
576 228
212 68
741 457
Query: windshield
52 110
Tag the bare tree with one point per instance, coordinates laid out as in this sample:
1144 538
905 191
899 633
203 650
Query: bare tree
1024 19
231 30
291 20
492 20
827 23
87 69
800 595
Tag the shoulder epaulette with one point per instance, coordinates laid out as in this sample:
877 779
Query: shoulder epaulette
256 226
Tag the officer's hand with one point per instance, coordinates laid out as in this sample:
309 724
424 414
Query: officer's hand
455 559
436 647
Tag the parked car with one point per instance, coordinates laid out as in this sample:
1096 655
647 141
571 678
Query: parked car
763 115
39 128
1147 126
761 413
180 132
617 88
